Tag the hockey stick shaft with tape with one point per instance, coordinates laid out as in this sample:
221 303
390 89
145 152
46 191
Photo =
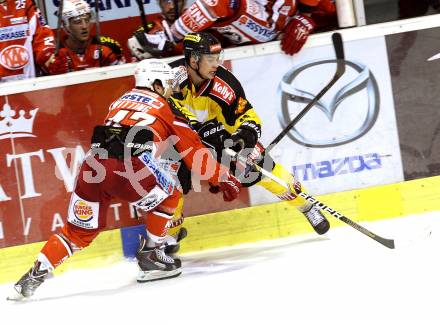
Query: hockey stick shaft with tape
59 22
340 70
384 241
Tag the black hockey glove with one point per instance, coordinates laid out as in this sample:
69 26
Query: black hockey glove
212 133
145 46
242 138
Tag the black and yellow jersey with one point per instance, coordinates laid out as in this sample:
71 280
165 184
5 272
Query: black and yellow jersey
221 98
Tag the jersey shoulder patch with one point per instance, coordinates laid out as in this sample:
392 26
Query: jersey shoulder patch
225 86
112 44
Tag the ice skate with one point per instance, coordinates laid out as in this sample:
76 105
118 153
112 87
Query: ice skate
29 282
154 264
317 220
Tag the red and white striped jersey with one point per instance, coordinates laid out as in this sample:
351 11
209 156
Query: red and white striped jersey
240 21
24 36
244 21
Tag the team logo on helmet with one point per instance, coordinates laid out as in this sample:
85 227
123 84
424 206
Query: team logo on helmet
83 211
192 37
215 48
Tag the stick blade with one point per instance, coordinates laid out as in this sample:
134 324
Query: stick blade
386 242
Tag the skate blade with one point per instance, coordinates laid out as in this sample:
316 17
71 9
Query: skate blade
15 296
148 276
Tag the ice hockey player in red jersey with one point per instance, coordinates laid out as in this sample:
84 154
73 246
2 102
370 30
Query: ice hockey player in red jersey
125 162
25 41
253 21
82 50
256 21
155 43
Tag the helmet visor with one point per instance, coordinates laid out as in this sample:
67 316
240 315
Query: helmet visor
214 57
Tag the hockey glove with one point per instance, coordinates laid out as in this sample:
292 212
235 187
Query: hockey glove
230 186
296 33
55 64
242 138
211 134
144 46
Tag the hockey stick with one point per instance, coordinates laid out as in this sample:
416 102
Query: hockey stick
386 242
98 32
142 15
176 8
340 70
60 16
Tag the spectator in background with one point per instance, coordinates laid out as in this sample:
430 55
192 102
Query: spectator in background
155 42
26 41
249 22
81 50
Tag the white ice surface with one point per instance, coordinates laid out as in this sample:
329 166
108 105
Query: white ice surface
341 278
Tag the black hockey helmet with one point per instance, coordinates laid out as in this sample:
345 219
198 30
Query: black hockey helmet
200 43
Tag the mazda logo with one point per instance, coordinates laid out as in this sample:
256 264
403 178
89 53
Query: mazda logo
364 81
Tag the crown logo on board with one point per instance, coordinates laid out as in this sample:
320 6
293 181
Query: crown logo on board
13 125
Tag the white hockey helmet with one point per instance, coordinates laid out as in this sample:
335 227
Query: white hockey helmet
73 9
149 70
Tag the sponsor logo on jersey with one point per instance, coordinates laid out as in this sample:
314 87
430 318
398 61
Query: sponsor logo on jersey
137 98
152 199
149 202
142 98
195 18
255 29
82 211
14 57
223 91
14 32
162 178
18 20
338 166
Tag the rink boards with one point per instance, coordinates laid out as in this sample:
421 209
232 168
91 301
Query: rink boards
401 143
248 225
